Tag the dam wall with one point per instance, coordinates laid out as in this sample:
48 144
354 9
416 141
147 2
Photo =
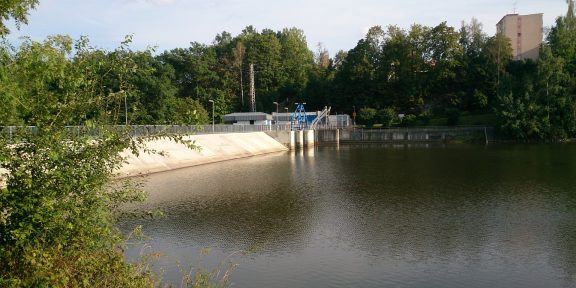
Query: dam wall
212 148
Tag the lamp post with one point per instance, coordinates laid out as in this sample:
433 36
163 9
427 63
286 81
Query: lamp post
212 101
276 112
125 109
354 116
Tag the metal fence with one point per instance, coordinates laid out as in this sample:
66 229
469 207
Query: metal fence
144 130
323 134
433 134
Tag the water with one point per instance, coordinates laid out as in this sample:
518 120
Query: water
373 216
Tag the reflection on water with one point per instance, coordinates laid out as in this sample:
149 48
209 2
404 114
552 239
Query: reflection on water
375 216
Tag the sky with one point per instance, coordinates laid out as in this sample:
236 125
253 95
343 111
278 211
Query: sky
337 24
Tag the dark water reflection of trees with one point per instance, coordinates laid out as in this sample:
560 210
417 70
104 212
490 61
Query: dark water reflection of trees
483 212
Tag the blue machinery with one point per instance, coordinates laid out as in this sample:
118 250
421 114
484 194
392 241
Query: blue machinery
298 120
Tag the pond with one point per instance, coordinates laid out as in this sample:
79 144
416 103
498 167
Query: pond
371 216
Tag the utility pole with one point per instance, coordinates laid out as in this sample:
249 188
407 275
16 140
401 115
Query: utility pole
276 121
241 89
212 101
125 109
252 89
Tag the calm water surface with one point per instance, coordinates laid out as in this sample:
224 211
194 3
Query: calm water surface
373 216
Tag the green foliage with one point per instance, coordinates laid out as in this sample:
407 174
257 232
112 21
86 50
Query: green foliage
16 10
57 209
386 117
521 117
58 212
409 120
367 116
186 111
540 99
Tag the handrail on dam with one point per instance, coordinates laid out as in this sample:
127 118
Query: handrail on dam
143 130
408 134
323 134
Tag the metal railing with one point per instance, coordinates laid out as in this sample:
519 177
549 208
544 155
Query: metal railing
424 134
144 130
353 135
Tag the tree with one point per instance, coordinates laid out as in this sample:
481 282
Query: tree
562 38
557 74
474 73
57 210
497 55
355 79
156 90
264 50
187 111
16 10
443 58
367 116
297 62
319 89
522 117
238 53
386 116
9 114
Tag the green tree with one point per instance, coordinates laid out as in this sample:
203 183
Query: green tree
474 74
16 10
522 117
386 116
297 62
443 58
187 111
356 75
264 50
9 114
557 75
57 210
367 116
156 89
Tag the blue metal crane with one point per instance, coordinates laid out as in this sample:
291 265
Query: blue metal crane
298 119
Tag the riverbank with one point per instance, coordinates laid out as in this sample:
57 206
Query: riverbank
212 148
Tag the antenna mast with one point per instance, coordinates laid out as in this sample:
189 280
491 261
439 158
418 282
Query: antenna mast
252 89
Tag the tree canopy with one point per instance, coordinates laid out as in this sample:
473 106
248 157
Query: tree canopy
16 10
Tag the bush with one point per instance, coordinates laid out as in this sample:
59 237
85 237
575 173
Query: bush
409 120
386 116
367 116
57 209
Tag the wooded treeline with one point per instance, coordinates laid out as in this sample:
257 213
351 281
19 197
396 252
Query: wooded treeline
422 73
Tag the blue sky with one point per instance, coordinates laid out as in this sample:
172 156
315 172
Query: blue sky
337 24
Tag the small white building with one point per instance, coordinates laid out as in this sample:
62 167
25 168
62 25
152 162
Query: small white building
248 118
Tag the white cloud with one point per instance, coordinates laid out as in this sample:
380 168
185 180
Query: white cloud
154 2
162 2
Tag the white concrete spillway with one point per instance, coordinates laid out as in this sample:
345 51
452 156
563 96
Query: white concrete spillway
213 148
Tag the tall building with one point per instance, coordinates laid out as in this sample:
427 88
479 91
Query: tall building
525 33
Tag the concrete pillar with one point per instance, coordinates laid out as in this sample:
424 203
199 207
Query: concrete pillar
299 138
308 138
292 140
337 136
